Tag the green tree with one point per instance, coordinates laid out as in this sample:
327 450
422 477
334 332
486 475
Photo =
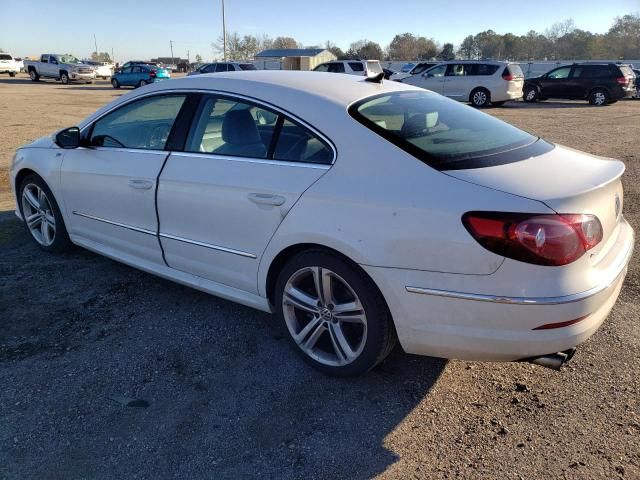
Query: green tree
198 58
101 57
284 42
365 49
447 52
468 48
333 48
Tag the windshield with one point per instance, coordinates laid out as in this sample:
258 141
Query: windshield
68 59
442 132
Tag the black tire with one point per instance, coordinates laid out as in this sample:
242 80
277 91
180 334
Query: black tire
611 102
61 242
34 75
498 104
480 97
89 82
12 74
115 83
64 78
599 97
142 83
530 94
380 332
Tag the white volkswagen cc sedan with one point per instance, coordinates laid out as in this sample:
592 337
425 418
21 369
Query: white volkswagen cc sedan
358 212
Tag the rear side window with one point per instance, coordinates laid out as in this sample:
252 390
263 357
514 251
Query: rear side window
480 69
442 132
297 144
222 67
514 70
336 67
144 124
356 66
247 66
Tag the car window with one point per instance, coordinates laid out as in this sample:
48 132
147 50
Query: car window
208 68
562 72
356 66
601 71
228 127
455 70
437 130
297 144
222 67
436 71
374 67
481 69
580 72
143 124
336 67
136 69
421 67
247 66
322 68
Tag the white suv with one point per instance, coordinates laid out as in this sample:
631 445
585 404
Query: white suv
479 82
8 64
365 68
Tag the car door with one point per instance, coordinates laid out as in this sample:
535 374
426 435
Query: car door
432 79
51 67
455 82
578 81
222 199
124 77
555 83
109 186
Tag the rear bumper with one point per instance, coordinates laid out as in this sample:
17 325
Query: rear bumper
9 69
469 326
505 96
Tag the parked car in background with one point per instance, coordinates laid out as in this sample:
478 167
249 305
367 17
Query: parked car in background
406 68
600 84
8 64
358 212
139 76
171 67
65 68
137 62
365 68
482 83
217 67
103 70
637 83
416 70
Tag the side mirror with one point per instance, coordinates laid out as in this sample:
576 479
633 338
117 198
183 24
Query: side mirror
68 138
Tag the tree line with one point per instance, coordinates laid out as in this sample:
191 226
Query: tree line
560 41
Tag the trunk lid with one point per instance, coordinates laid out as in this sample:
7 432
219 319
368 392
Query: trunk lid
566 180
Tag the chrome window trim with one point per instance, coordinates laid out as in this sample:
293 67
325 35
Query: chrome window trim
266 161
576 297
208 245
117 224
238 96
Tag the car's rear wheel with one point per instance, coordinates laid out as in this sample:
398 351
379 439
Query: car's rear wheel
115 83
334 314
142 83
12 74
598 97
34 75
42 215
530 94
480 98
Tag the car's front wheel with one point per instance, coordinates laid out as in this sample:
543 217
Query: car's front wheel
42 215
334 314
530 94
64 78
115 83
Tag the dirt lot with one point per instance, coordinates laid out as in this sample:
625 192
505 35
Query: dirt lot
220 394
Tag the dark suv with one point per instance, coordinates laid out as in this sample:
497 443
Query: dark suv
599 83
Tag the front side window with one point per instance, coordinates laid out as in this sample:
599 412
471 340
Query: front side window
336 67
562 72
229 127
441 132
322 68
421 67
438 71
143 124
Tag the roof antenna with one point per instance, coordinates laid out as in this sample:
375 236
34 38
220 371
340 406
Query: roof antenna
376 78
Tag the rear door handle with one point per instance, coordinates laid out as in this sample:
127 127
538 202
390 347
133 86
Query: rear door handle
267 199
140 184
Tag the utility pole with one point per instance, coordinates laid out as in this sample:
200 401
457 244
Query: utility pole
173 60
113 59
224 34
95 42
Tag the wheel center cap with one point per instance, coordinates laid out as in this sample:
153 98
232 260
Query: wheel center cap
326 314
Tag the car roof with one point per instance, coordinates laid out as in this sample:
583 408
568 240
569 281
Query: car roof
458 62
314 96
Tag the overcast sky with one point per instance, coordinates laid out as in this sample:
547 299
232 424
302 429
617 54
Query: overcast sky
142 29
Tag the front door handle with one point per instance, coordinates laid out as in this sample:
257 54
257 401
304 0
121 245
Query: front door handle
140 184
267 199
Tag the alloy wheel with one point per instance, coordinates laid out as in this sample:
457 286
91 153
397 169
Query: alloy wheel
38 214
324 316
479 98
599 98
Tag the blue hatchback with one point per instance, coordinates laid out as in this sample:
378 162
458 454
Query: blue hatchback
138 76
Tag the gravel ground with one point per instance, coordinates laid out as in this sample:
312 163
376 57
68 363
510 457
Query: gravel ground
108 372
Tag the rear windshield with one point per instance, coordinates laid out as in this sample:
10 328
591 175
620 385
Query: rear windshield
515 70
626 71
4 56
444 133
247 66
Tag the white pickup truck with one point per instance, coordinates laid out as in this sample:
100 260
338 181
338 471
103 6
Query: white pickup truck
65 68
8 64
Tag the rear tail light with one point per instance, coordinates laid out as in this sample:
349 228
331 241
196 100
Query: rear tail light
507 76
622 80
153 73
538 239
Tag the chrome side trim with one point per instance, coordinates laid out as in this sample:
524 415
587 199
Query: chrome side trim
208 245
576 297
319 166
117 224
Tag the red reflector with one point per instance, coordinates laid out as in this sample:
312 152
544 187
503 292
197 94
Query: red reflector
622 80
549 326
507 77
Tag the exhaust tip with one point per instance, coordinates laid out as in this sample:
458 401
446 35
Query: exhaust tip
554 361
